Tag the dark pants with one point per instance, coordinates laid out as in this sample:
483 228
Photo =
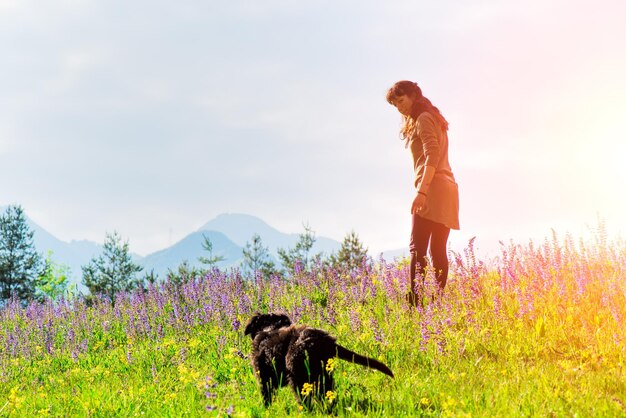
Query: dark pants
423 233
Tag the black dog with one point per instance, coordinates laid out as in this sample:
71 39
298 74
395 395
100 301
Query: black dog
283 354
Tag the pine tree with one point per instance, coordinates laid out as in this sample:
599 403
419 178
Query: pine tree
20 264
53 282
351 255
289 258
256 258
113 271
184 273
210 260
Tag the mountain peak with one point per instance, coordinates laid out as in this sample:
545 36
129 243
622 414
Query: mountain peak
240 227
236 218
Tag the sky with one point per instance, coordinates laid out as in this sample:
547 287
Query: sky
150 118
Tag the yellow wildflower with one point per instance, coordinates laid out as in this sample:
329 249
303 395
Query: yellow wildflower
424 401
330 395
169 397
168 342
449 403
193 343
307 388
14 400
182 372
86 404
186 375
330 365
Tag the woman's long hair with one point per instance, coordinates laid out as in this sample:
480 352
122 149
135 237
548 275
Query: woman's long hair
420 104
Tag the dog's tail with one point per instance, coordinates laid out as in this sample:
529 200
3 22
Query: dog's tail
348 355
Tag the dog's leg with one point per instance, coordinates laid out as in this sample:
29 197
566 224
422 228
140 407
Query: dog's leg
309 379
301 378
268 377
269 385
267 391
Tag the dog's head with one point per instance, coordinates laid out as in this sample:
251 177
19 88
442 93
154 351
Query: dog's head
266 322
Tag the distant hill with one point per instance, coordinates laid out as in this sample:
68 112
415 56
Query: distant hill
228 233
74 254
240 228
71 254
190 249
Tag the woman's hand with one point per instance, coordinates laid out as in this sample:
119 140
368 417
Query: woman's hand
418 203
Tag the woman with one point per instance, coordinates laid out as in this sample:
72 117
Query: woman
435 208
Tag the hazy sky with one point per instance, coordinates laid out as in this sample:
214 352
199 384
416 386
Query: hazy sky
152 117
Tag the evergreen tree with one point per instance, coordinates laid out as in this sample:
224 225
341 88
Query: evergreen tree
210 260
351 255
185 273
53 282
300 253
256 258
113 271
150 277
20 264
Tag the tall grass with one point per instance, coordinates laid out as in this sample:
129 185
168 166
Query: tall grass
537 331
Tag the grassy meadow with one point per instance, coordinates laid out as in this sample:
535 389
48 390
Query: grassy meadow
537 331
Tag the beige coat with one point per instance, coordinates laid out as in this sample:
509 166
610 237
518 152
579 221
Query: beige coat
429 146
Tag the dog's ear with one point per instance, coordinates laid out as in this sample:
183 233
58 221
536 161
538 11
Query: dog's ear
260 322
281 320
252 325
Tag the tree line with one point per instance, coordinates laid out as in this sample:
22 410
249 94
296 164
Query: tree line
27 275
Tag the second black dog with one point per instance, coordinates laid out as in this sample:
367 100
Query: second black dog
283 354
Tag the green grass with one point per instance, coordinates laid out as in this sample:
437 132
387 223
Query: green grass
539 331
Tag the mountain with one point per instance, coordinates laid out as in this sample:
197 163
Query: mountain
74 254
228 234
240 228
190 249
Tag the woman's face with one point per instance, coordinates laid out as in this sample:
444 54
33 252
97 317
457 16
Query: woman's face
403 103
